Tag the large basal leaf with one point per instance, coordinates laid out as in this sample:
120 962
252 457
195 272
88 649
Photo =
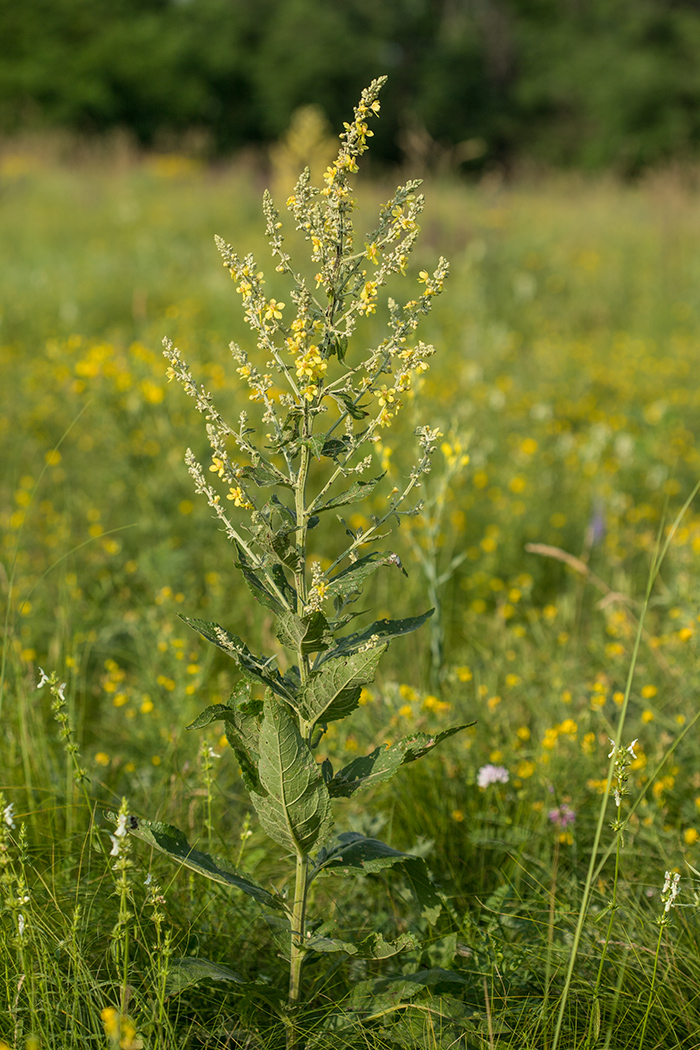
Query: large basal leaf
358 491
296 812
383 993
326 939
382 763
238 651
377 633
171 840
183 973
333 691
310 633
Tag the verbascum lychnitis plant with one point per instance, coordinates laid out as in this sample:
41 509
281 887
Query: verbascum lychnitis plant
313 403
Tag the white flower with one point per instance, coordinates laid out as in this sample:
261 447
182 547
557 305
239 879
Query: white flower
670 890
61 690
614 747
631 747
148 880
20 924
116 846
492 775
44 678
120 831
8 814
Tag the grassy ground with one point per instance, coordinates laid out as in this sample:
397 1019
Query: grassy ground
568 339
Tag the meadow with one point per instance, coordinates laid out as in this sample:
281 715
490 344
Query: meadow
567 338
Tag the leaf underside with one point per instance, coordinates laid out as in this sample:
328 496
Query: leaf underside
170 840
296 812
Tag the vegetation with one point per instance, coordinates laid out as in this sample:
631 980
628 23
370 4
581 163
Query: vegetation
596 84
558 542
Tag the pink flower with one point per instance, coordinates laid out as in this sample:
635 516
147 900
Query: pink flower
562 816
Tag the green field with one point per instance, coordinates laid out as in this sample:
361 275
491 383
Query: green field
568 340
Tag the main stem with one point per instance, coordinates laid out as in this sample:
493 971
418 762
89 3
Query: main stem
298 923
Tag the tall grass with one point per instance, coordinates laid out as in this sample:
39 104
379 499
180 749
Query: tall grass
569 334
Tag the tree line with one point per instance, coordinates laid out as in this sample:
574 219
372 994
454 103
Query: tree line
585 83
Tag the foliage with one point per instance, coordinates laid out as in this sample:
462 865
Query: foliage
601 84
569 336
331 414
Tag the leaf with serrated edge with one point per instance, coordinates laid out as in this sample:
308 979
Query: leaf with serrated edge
357 492
310 632
296 812
171 840
239 737
238 651
382 763
334 691
378 632
349 581
363 855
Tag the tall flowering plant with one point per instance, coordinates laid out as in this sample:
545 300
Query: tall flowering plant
313 400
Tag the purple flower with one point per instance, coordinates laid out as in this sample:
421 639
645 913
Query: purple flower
562 816
492 775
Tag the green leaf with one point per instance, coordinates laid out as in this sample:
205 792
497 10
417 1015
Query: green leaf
171 840
334 691
255 583
363 855
308 632
183 973
337 446
250 664
264 474
325 939
380 631
382 763
242 733
383 993
350 580
296 812
348 403
366 856
357 492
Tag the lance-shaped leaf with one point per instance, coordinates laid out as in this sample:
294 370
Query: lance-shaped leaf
351 579
310 633
296 812
259 587
326 939
380 631
264 474
357 492
171 840
250 664
350 406
382 763
363 856
242 732
183 973
334 691
354 851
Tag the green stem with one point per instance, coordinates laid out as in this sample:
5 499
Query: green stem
297 941
651 989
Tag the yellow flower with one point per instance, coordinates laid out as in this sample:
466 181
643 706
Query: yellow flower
273 310
691 836
649 691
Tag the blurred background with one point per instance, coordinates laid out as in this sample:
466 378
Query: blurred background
473 83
